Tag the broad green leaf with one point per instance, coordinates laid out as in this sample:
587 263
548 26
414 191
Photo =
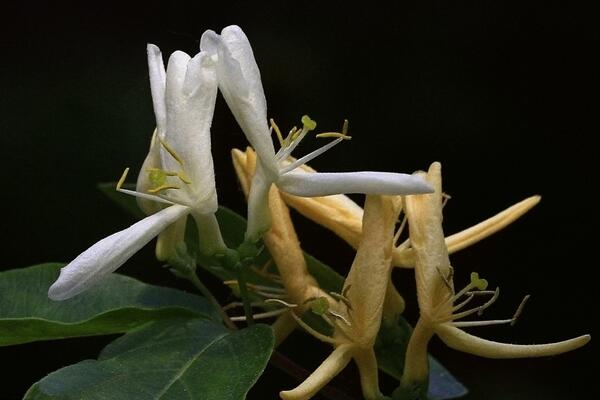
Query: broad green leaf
177 359
393 337
117 305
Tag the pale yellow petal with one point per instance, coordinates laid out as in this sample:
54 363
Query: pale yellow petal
166 244
463 341
432 264
482 230
332 366
369 375
369 275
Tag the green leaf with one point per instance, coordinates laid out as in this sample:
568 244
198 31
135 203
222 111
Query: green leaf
117 305
126 202
177 359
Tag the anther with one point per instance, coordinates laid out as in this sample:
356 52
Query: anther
122 179
277 131
519 310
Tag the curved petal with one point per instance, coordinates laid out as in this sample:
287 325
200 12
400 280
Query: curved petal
463 341
191 95
330 367
156 68
110 253
241 86
367 182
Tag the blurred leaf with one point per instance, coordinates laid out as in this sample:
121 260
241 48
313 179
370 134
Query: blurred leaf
177 359
126 202
117 305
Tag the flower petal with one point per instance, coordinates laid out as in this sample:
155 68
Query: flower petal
156 69
330 367
191 95
367 182
463 341
241 86
110 253
474 234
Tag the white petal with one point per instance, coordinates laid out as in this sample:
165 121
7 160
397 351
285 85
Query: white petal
326 183
462 341
156 69
110 253
191 96
241 86
259 216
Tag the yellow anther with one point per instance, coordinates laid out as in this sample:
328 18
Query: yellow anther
122 179
308 123
277 131
161 188
343 134
171 151
333 135
477 282
157 177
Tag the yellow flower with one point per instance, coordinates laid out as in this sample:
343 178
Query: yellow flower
359 310
440 306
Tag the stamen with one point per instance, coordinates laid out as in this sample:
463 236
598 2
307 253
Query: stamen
400 229
263 315
478 310
184 178
466 324
446 279
284 303
346 290
339 316
122 179
171 151
311 331
445 197
333 135
341 298
309 156
119 188
148 197
519 310
470 297
277 131
163 187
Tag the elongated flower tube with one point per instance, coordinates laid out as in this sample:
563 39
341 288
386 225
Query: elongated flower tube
284 246
177 177
240 83
441 307
343 217
360 306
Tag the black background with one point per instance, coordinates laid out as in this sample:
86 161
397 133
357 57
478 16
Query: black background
502 93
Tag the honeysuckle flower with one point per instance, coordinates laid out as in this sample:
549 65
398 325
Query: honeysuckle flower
283 245
441 307
177 179
240 83
343 217
360 307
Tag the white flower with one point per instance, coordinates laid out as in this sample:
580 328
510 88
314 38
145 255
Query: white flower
177 177
240 83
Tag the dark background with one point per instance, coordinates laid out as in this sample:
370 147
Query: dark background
502 93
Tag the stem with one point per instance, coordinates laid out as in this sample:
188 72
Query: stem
241 278
193 278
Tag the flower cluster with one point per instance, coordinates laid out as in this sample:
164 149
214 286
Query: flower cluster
176 184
